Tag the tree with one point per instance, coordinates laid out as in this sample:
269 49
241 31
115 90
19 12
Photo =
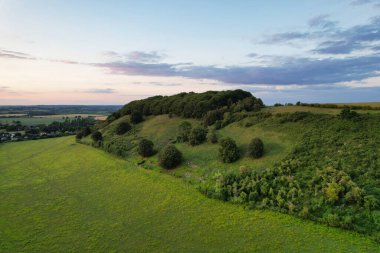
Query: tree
228 150
197 136
211 117
97 136
211 137
86 131
256 148
122 128
184 130
145 148
346 113
170 157
136 117
79 135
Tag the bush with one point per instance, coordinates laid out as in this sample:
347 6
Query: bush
86 131
211 117
136 117
211 137
256 148
145 148
184 130
228 150
122 128
197 136
79 136
97 136
346 113
170 157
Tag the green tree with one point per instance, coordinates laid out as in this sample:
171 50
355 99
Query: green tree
228 150
184 130
211 137
197 136
170 157
97 136
256 148
122 128
136 117
145 148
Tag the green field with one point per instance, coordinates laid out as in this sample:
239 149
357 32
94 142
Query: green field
29 121
59 196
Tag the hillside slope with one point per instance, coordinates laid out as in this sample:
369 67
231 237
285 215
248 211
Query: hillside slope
60 196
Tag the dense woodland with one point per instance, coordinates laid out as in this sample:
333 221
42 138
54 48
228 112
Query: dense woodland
193 105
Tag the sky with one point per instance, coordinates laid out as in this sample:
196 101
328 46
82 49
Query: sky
113 52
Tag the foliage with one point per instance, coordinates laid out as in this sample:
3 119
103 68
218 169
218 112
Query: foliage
212 137
145 148
212 116
194 105
96 136
228 150
346 113
170 157
136 117
122 128
197 136
256 148
184 130
90 187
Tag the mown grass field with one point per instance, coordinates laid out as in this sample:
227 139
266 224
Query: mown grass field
60 196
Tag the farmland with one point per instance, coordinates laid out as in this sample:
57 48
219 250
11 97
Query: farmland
58 195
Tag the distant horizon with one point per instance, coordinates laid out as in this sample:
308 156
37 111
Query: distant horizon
98 52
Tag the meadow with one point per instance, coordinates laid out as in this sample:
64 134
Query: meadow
60 196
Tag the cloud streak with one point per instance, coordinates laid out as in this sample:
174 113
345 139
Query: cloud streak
300 71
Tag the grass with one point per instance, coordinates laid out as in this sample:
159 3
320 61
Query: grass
29 121
334 111
59 196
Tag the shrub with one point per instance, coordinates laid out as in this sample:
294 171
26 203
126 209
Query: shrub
184 130
197 136
256 148
145 148
228 150
211 137
136 117
86 131
211 117
97 136
346 113
122 128
170 157
79 136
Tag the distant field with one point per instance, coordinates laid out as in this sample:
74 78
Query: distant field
291 109
47 119
59 196
30 121
373 104
72 115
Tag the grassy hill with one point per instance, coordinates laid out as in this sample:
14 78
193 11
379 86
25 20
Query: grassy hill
60 196
318 163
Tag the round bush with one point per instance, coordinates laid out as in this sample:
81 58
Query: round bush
228 150
122 128
184 130
256 148
197 136
97 136
211 137
86 131
170 157
145 148
136 117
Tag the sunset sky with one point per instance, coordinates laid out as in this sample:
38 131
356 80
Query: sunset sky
112 52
